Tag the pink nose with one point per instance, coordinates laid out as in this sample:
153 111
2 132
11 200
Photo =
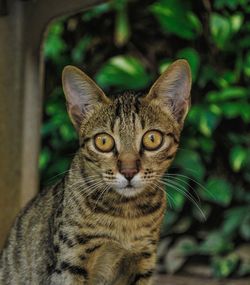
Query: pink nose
128 165
129 173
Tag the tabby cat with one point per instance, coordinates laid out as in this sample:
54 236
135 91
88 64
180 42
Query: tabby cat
100 224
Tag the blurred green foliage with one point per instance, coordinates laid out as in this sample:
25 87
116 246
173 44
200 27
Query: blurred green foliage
126 45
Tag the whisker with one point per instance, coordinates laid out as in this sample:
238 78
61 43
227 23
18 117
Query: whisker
101 194
182 187
184 182
195 181
165 192
187 196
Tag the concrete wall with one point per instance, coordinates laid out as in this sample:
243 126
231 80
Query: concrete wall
22 26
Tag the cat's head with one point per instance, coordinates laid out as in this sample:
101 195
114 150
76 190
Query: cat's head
129 141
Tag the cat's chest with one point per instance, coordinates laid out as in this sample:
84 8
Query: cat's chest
133 235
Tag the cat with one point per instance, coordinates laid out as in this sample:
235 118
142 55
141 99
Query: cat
100 224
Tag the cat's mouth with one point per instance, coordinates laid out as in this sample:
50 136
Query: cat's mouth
129 190
129 185
126 187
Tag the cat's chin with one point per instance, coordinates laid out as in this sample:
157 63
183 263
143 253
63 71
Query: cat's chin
129 191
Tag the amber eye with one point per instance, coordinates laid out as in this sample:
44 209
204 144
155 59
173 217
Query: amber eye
152 140
104 142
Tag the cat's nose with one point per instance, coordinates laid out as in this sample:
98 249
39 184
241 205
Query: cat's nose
128 165
129 173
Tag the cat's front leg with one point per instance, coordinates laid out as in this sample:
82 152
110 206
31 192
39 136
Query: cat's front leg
143 279
105 264
67 278
136 269
145 268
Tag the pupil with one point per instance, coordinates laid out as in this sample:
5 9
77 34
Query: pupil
152 138
103 141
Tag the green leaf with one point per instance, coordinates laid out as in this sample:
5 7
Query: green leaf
194 114
170 219
220 28
231 4
245 226
176 17
244 42
54 45
243 251
236 22
244 269
96 11
218 190
233 219
122 27
177 254
246 64
182 226
206 75
44 158
78 52
224 266
223 28
67 132
227 94
204 119
226 79
60 166
124 72
207 145
190 163
208 122
238 157
236 109
163 65
193 57
215 243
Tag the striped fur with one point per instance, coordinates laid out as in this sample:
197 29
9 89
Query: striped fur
83 231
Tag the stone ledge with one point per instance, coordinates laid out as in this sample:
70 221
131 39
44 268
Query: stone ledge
194 280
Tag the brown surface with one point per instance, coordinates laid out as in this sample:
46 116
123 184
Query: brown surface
189 280
21 34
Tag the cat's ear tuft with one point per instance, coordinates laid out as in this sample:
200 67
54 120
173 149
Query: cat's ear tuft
81 94
172 89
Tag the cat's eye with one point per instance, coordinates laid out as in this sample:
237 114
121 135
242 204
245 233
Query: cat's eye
152 140
104 142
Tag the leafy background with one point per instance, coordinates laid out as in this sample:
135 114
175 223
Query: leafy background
126 45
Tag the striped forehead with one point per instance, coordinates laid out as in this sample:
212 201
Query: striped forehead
126 117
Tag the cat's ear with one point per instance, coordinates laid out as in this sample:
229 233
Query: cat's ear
172 89
81 94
